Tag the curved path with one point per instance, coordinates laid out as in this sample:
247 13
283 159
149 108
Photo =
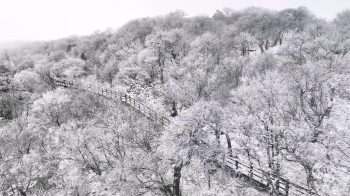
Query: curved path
255 176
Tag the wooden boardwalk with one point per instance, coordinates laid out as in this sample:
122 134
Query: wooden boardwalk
250 174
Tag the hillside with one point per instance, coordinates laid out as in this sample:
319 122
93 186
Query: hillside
84 115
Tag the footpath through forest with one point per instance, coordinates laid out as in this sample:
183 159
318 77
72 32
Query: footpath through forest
238 168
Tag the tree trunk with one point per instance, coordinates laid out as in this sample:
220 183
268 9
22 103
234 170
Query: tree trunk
261 46
275 42
57 122
22 192
177 177
243 52
217 136
310 177
173 111
209 182
267 45
162 74
280 38
229 145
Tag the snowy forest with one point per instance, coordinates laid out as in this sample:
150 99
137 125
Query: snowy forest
268 88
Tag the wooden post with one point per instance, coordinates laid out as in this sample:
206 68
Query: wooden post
268 180
251 171
287 187
236 163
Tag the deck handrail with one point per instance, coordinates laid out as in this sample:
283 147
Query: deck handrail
233 163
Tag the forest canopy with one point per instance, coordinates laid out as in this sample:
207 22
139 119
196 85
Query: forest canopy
270 88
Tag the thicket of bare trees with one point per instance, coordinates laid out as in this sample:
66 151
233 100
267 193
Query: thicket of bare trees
269 87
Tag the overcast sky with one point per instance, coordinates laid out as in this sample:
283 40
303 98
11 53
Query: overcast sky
53 19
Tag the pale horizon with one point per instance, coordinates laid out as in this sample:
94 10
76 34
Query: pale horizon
42 20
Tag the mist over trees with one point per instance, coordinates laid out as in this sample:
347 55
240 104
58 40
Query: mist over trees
268 87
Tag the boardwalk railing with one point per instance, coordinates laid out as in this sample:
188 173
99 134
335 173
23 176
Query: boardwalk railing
124 98
248 173
262 179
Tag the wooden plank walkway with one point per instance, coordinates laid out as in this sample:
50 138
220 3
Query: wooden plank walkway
255 176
